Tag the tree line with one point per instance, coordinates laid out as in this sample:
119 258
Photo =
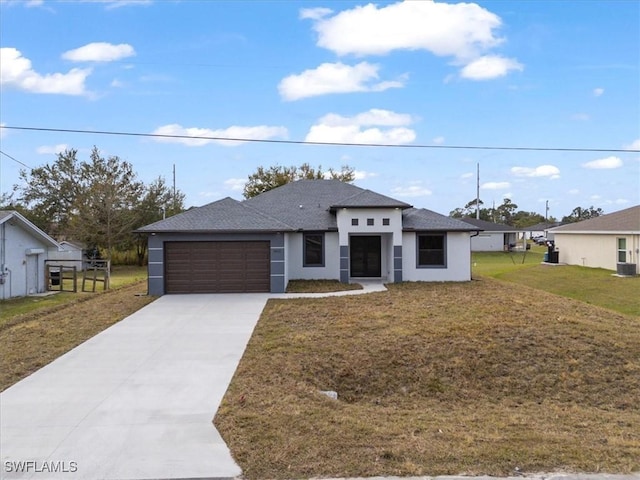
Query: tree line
98 202
508 214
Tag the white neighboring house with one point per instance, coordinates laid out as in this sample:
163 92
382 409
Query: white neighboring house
23 251
609 241
494 237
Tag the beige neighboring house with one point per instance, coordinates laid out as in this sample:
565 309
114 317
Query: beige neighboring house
609 241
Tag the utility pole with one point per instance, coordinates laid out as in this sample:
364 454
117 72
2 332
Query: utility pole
546 212
478 192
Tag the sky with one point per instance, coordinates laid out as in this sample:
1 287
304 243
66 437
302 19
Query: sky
413 80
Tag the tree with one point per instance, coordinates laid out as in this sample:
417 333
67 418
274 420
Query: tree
470 210
524 219
578 214
504 213
50 193
158 202
265 179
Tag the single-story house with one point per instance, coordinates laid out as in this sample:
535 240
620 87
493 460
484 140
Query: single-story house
542 230
23 251
307 229
494 237
609 241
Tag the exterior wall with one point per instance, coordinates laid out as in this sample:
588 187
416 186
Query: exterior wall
156 255
391 238
22 273
458 254
294 245
596 250
492 241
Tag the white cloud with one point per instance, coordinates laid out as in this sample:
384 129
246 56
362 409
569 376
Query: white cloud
172 131
621 201
550 171
235 184
573 191
635 145
117 83
361 174
495 185
460 30
52 149
99 52
333 128
464 176
463 31
604 163
415 189
489 67
16 71
315 13
119 3
438 140
335 78
597 92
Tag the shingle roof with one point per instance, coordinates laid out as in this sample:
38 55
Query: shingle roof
623 221
226 215
423 219
307 204
489 226
300 205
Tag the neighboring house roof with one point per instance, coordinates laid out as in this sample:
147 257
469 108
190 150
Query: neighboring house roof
423 219
301 205
622 221
11 215
541 227
226 215
489 226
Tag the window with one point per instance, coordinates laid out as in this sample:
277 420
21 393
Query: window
431 249
313 250
622 250
385 221
370 222
354 222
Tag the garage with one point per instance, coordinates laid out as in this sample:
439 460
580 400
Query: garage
217 267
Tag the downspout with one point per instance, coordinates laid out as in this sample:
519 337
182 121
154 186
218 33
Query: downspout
470 253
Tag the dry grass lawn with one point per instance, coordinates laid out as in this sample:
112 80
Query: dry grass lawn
476 378
31 340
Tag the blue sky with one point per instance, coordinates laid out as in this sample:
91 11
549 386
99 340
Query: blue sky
542 74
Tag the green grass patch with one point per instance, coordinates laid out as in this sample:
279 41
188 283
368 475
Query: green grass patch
595 286
495 263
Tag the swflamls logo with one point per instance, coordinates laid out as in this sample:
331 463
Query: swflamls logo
33 466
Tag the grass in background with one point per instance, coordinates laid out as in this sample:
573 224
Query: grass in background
494 263
120 277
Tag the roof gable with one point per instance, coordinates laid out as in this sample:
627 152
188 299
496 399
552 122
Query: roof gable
369 199
8 215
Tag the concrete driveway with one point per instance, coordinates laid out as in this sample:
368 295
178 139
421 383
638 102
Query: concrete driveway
137 400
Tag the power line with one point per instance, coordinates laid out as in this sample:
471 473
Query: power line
340 144
15 160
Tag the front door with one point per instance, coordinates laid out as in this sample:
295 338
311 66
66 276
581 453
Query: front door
365 255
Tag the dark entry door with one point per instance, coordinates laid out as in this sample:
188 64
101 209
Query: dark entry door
365 254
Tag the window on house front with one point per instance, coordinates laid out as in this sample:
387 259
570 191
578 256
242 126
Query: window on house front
370 222
431 249
313 250
622 250
385 221
354 222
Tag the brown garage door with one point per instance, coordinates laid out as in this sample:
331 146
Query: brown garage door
216 267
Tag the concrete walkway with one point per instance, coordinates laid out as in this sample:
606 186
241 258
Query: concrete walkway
137 400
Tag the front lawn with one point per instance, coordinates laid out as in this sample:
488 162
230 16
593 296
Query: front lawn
484 377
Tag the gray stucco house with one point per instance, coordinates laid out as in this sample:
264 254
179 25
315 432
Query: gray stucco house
308 229
24 248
